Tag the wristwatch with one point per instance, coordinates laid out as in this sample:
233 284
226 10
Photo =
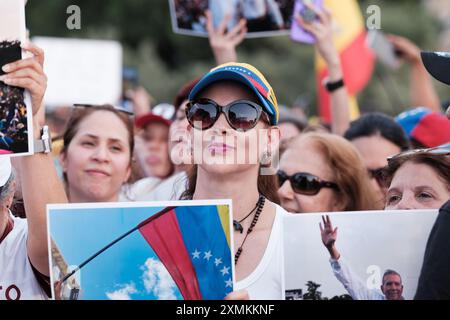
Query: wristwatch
44 145
333 86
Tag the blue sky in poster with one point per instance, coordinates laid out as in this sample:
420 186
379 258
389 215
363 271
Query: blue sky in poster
128 270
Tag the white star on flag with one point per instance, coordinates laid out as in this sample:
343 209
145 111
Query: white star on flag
229 283
217 261
208 255
196 254
225 270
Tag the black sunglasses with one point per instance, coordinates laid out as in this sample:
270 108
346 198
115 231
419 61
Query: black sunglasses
241 115
305 183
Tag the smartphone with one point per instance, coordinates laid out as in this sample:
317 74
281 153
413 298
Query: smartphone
130 81
383 49
299 34
10 51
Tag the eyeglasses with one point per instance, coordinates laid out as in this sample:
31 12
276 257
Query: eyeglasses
377 174
117 108
443 151
241 115
165 110
305 183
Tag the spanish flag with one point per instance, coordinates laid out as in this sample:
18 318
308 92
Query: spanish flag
357 59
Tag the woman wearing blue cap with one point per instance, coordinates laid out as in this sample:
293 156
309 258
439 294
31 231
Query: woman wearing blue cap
229 108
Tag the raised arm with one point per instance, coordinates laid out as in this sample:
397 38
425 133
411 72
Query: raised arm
354 285
223 43
322 29
329 236
421 89
40 182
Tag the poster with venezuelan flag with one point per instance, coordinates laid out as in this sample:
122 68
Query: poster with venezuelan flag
141 251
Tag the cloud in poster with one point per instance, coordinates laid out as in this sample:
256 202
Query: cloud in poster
158 281
124 293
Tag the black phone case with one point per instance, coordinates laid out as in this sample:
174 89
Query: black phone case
10 51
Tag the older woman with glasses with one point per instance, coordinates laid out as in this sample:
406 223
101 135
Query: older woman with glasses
321 172
418 179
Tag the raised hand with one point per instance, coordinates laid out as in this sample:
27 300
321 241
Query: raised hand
224 43
329 235
322 29
408 50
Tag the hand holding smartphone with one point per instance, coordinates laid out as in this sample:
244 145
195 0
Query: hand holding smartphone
299 34
384 49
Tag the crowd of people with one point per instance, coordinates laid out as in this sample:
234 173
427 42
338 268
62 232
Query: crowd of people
109 155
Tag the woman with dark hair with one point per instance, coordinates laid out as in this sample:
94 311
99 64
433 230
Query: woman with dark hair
418 179
321 172
97 152
377 136
245 131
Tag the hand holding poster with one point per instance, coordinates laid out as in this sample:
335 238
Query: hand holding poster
167 251
15 112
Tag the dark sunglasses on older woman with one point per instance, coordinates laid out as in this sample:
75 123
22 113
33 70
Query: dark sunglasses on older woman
305 183
241 115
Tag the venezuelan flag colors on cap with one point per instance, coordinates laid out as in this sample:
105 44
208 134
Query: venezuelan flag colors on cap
247 75
429 128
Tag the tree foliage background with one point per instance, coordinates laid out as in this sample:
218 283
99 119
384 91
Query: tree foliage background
166 60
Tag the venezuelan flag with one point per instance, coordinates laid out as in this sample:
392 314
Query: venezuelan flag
193 243
357 59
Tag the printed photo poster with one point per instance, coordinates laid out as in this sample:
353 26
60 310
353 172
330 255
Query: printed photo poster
16 134
380 254
141 251
265 18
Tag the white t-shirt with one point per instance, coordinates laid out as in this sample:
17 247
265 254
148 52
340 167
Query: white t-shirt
143 186
168 189
17 279
266 282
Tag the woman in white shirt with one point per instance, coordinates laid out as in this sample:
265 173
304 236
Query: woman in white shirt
229 166
24 268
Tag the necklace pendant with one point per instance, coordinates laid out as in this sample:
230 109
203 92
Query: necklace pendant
237 226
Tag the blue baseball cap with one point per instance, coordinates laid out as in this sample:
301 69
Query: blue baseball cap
249 76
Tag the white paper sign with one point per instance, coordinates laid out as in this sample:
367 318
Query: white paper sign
370 242
81 71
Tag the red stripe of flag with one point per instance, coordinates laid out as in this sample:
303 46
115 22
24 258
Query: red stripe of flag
258 86
163 234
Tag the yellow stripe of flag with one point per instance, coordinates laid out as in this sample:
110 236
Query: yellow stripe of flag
348 24
224 214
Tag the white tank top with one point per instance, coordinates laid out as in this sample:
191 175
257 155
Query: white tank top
17 280
266 282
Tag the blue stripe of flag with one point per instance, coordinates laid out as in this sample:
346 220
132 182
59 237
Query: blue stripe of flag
208 248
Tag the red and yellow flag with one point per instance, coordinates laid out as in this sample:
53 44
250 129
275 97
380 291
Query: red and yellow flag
357 59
